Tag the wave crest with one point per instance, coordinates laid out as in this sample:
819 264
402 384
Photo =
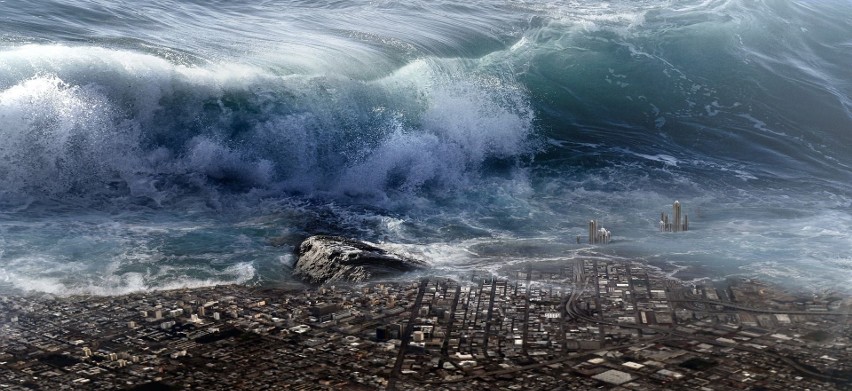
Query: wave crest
79 120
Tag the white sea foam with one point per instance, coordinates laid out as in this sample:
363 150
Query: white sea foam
197 151
102 283
82 117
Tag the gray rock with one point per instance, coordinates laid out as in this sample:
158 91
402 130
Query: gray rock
324 259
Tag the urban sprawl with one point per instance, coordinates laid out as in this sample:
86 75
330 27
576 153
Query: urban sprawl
589 324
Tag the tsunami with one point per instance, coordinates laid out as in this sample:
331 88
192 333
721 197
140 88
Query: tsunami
133 158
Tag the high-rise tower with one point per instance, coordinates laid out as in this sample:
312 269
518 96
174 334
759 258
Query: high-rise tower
597 233
593 230
676 211
679 221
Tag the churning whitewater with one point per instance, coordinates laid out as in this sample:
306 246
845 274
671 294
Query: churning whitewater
166 144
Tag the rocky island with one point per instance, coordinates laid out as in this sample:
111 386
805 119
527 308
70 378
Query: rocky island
324 259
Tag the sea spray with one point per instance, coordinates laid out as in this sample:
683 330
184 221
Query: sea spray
160 144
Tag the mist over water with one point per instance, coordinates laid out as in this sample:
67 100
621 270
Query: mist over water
172 144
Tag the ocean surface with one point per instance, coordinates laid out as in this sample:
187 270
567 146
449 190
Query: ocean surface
158 144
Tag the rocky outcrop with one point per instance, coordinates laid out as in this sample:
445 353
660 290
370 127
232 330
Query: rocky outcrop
324 259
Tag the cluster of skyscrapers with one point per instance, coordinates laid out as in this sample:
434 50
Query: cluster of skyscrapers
677 224
598 234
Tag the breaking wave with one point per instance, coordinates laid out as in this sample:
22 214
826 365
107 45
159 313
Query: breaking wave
151 146
91 122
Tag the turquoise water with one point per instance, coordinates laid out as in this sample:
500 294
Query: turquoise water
160 144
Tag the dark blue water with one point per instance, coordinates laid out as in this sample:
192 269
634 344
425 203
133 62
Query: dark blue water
160 144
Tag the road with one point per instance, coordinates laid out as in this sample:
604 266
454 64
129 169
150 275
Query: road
406 336
541 364
712 341
758 310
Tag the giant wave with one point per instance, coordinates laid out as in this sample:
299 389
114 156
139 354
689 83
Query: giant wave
92 120
169 144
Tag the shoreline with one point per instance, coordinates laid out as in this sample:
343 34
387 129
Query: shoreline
682 274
